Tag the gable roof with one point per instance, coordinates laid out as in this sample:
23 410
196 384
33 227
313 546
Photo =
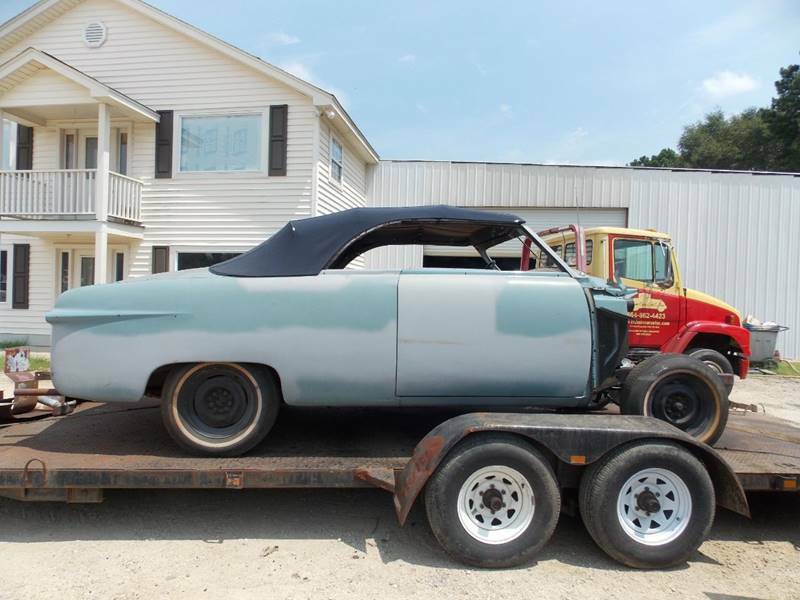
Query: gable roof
28 62
44 11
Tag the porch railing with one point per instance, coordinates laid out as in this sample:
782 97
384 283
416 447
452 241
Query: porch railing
124 197
66 193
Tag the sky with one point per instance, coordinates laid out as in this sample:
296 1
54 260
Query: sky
581 82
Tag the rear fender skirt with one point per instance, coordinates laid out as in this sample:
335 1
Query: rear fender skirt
571 439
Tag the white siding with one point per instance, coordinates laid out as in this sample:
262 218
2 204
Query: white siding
165 70
46 87
21 323
736 234
333 196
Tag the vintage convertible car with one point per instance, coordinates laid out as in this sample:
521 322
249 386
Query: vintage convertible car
286 322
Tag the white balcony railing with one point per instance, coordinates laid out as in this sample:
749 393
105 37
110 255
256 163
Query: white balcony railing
66 193
124 197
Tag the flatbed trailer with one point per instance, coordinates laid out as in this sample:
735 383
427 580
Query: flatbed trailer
74 458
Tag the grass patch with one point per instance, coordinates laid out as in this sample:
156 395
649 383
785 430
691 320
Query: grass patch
790 368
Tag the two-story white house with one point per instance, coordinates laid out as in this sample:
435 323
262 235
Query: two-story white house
135 143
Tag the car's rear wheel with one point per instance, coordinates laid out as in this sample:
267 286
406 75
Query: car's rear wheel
680 390
493 502
219 409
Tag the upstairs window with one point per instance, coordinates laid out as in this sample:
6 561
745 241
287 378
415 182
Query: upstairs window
221 143
337 160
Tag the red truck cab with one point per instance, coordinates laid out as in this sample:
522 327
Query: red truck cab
666 317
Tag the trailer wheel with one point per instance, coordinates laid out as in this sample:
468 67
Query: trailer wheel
493 502
716 361
680 390
648 505
219 409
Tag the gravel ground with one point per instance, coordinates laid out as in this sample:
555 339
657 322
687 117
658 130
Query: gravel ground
343 544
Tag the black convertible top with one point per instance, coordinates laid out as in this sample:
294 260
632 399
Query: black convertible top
307 246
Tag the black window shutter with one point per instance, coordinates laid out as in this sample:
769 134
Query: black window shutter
21 275
160 259
24 148
278 138
164 145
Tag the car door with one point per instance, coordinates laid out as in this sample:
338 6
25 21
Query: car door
491 334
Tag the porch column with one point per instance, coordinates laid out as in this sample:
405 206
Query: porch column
101 252
2 141
103 161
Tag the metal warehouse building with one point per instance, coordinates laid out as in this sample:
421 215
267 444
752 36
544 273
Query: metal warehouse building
737 234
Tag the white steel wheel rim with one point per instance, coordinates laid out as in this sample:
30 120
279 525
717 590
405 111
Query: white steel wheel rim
660 526
496 524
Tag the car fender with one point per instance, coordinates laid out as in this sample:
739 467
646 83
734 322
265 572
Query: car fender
687 333
577 440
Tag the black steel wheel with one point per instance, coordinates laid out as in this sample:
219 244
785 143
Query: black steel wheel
648 504
493 501
219 409
680 390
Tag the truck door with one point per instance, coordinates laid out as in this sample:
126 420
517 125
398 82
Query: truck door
645 264
491 334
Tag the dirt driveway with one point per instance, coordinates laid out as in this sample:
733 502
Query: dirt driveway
347 544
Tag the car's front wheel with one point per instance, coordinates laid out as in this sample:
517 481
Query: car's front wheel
219 409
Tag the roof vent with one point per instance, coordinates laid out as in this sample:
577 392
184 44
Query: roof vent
94 35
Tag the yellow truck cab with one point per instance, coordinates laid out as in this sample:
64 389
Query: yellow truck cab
666 316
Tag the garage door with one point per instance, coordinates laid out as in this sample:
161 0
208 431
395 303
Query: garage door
539 219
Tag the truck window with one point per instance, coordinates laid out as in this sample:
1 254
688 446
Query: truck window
547 263
569 254
633 259
589 252
642 261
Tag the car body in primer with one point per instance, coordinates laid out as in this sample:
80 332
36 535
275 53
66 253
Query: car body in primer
348 337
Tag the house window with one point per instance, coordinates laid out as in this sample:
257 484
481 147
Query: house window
337 160
119 266
63 282
91 153
123 154
87 270
221 143
198 260
9 162
4 286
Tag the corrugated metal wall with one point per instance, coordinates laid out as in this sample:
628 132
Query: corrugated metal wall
737 234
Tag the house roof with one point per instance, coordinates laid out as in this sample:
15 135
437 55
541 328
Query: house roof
307 246
17 28
28 62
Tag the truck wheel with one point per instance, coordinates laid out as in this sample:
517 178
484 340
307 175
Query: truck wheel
717 361
493 502
680 390
648 505
219 409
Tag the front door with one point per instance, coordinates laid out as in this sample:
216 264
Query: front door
645 265
491 335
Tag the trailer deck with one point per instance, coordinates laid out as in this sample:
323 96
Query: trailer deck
75 457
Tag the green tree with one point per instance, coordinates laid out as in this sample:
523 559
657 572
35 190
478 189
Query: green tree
741 142
784 119
666 158
765 139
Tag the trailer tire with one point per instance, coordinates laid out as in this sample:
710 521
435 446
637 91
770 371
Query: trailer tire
219 409
520 515
617 491
680 390
716 361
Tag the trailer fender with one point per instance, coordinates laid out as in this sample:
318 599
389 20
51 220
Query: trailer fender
572 439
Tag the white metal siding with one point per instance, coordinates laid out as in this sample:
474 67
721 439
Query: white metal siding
736 234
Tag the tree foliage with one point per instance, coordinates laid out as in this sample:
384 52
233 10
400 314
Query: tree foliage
758 139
